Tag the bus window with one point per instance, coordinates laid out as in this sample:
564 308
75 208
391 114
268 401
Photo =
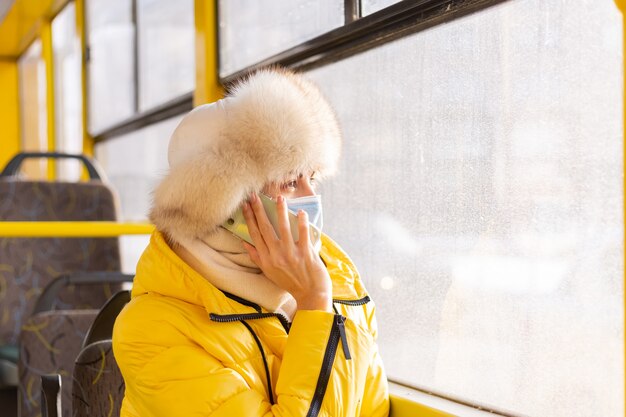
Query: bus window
134 163
166 50
253 31
481 195
33 110
111 66
370 6
68 96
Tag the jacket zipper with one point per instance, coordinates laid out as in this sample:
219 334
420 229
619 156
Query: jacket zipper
243 301
247 303
358 302
337 332
228 318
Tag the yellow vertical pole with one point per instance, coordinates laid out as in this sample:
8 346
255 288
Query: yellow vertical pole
208 88
9 111
48 57
81 30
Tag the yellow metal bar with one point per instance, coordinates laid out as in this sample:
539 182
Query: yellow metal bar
48 57
73 229
402 407
9 111
208 88
22 23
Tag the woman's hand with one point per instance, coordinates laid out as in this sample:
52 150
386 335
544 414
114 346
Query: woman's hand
293 266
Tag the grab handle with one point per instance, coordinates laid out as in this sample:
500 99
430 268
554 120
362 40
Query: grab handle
14 164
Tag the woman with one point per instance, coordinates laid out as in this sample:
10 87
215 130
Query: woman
219 327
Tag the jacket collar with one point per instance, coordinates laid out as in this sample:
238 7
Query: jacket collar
163 272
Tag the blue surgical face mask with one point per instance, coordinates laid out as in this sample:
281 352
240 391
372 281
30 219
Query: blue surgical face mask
312 205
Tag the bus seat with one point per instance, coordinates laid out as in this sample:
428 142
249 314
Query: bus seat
51 340
102 326
49 344
98 384
27 265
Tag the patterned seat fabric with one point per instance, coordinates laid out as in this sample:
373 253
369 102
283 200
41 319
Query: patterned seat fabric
27 265
49 344
98 384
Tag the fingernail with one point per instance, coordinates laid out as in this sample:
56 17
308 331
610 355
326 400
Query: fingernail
280 199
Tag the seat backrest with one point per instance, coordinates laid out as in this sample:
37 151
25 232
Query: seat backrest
102 327
98 383
49 344
51 341
27 265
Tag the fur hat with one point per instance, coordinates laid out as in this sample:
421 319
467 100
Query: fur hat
272 125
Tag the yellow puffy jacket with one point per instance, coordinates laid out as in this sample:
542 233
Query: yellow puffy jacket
187 349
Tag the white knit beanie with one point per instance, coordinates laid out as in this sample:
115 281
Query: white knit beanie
272 125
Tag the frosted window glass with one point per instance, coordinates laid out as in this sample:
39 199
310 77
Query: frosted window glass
33 110
253 30
68 96
371 6
481 196
166 50
110 70
134 163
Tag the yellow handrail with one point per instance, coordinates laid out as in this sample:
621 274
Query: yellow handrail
73 229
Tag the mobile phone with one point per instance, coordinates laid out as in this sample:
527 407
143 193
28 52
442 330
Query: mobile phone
236 223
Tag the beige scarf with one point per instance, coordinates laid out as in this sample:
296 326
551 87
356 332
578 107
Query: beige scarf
222 260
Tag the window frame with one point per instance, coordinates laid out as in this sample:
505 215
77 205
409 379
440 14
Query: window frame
140 119
357 35
361 33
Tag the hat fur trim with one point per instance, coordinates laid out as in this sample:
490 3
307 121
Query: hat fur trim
273 125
